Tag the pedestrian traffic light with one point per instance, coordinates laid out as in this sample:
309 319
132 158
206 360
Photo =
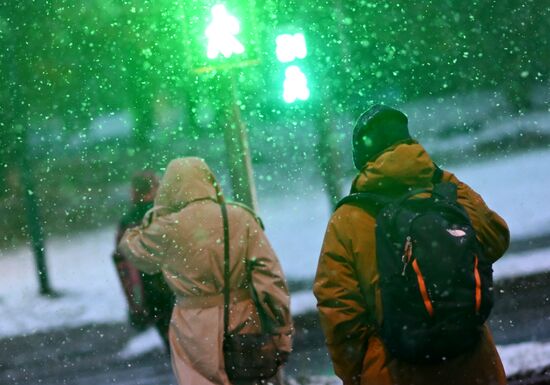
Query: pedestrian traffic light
291 48
295 85
220 34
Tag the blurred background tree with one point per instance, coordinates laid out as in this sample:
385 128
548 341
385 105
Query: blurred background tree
93 90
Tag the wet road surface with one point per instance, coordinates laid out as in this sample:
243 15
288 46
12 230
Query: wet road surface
89 355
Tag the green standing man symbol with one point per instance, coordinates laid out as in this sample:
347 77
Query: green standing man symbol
290 48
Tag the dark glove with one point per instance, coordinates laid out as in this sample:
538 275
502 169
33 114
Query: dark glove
282 357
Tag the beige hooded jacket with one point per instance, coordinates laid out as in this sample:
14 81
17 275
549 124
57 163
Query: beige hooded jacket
182 236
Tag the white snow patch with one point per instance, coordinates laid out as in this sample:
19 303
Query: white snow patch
524 357
516 187
526 263
143 343
316 380
495 131
302 302
80 268
295 225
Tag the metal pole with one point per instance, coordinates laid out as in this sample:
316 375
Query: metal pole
238 152
329 155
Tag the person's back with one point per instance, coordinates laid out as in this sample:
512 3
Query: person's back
347 281
184 238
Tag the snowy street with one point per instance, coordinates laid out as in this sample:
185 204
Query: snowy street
81 267
116 113
101 354
83 331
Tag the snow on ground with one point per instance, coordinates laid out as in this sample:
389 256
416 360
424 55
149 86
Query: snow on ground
296 227
81 267
517 358
142 343
516 187
525 263
495 131
82 270
302 302
524 357
316 380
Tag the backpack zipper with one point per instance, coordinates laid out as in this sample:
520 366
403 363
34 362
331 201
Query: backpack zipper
407 254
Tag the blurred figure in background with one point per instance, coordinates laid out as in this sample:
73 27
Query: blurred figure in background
211 254
150 300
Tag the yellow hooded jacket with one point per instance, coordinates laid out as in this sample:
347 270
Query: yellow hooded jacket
346 283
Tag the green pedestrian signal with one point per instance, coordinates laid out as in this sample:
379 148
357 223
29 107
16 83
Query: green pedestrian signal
222 34
291 48
295 85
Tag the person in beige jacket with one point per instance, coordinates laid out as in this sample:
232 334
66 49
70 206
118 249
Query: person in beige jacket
183 237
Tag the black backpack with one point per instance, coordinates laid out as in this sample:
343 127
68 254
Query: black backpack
435 282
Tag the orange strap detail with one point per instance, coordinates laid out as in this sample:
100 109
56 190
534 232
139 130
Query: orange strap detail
423 290
478 285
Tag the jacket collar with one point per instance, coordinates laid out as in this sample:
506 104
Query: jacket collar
395 170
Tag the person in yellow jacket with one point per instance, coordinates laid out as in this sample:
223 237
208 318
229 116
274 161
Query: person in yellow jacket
346 286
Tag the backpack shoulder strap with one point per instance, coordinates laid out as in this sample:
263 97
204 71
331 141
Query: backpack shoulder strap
364 198
438 174
380 201
446 190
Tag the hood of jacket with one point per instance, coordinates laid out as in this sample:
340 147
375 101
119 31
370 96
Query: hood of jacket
400 167
186 180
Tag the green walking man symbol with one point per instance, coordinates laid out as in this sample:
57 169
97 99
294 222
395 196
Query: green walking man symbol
221 34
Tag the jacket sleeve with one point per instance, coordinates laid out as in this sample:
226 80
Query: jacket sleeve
146 245
341 305
270 286
491 229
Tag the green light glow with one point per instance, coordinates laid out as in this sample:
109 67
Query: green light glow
221 34
290 47
295 85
